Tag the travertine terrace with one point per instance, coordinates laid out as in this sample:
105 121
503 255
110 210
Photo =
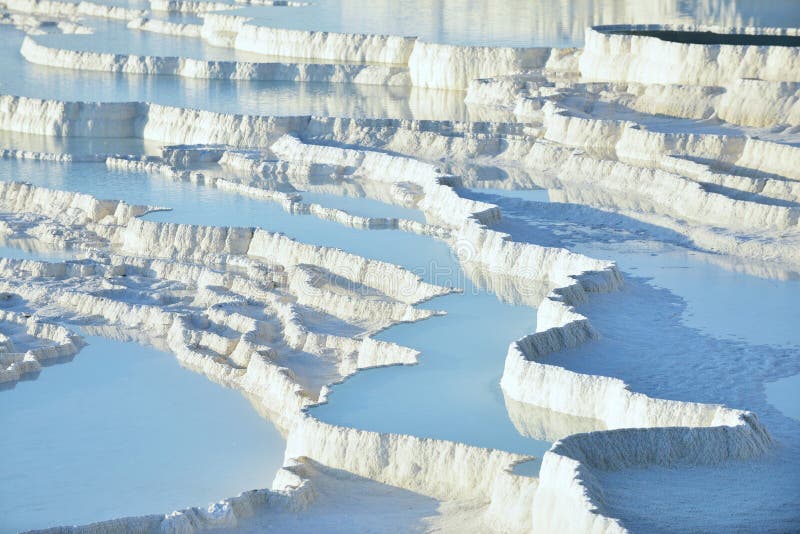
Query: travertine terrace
640 134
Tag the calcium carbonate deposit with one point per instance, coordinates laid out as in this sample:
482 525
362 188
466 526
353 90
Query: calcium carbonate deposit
350 266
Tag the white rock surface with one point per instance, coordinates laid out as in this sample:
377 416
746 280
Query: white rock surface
646 59
220 70
429 64
454 67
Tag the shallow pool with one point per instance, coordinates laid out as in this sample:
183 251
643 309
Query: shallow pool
764 298
454 392
784 394
123 430
32 249
194 204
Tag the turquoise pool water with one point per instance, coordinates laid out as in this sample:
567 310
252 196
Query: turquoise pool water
123 430
765 300
454 393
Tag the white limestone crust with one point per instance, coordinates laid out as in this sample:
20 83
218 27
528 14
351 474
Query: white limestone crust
647 59
220 70
59 8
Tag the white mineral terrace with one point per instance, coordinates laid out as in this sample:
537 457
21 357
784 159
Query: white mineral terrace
509 272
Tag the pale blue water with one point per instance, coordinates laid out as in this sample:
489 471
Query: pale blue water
453 393
123 430
527 469
112 36
765 308
706 328
363 206
77 146
193 204
744 323
534 195
784 394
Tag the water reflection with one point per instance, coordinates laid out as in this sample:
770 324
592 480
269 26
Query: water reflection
80 148
34 249
548 425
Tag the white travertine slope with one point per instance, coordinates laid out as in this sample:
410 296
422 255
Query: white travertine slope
77 208
570 329
747 102
221 70
449 480
706 427
59 8
290 202
452 470
429 64
647 59
34 155
651 168
730 181
140 120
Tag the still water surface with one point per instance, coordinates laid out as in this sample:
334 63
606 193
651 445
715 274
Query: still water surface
123 430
